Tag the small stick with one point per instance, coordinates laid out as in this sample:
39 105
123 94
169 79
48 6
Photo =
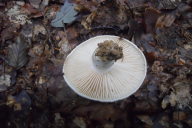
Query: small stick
64 28
65 33
52 46
4 70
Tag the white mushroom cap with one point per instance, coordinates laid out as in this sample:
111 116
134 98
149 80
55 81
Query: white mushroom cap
124 78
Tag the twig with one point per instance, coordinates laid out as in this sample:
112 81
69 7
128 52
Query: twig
65 33
4 59
52 46
64 28
4 70
129 9
172 3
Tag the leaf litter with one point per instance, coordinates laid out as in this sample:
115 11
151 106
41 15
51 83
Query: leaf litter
33 92
18 53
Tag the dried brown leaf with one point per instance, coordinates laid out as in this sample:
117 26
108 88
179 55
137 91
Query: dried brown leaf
81 9
28 9
179 115
18 53
158 19
151 15
35 3
87 22
146 119
8 33
179 96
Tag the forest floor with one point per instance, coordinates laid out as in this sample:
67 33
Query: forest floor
34 43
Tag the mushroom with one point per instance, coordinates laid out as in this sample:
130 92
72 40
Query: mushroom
92 74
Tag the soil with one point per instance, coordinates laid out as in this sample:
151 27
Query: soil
109 50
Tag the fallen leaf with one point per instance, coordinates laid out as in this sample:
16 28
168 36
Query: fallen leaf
43 4
81 9
142 106
159 19
16 17
39 29
38 14
35 3
157 67
150 57
180 96
64 46
65 15
165 121
88 21
179 115
28 9
146 119
5 82
71 33
151 16
167 18
8 33
20 103
18 53
79 122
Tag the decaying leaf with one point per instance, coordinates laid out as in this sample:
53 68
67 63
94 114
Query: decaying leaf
159 19
8 33
179 96
35 3
64 46
179 115
5 82
28 9
146 119
87 22
79 122
20 103
16 17
81 9
65 15
151 15
18 53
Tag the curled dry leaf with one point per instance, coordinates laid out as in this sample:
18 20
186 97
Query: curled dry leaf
151 15
87 22
18 53
81 9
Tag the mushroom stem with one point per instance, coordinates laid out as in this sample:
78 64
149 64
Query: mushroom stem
105 55
101 66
